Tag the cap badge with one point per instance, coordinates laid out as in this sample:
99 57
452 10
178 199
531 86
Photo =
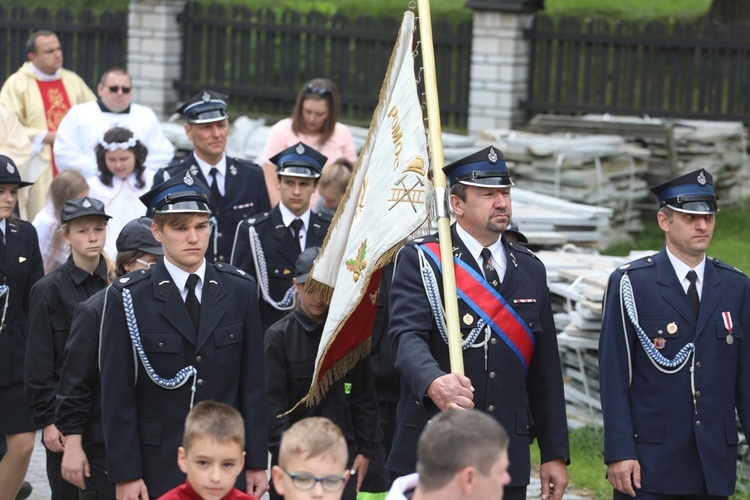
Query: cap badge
701 179
206 96
492 156
86 203
188 179
300 149
10 168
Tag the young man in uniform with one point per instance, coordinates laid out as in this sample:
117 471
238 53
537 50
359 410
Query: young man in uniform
267 246
237 187
673 365
512 366
178 333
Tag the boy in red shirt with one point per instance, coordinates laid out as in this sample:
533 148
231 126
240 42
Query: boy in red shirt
212 454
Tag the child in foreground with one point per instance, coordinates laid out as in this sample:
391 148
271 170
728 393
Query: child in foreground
212 454
312 461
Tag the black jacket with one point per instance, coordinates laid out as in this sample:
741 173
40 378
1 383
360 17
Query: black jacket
53 301
79 393
291 346
20 269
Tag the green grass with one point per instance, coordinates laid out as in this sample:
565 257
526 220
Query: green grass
587 470
441 9
632 9
730 243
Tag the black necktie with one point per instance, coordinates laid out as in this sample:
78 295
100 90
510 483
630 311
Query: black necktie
215 193
2 245
489 270
191 301
692 292
296 225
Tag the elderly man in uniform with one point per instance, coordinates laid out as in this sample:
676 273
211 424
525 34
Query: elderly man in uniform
509 346
673 363
267 246
178 333
40 93
237 187
85 124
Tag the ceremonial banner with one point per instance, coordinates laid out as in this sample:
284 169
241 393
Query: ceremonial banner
384 204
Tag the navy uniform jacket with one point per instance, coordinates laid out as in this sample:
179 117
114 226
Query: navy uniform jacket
502 390
245 194
653 420
79 393
143 422
280 250
20 269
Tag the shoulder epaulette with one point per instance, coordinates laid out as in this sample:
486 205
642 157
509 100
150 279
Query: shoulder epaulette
324 216
244 162
428 238
257 218
522 250
130 278
641 263
724 265
232 270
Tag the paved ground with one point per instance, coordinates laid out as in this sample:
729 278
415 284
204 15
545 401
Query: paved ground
37 476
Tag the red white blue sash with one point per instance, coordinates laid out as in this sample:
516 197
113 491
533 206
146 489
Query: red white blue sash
483 299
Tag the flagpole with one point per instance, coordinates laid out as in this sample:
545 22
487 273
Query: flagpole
441 194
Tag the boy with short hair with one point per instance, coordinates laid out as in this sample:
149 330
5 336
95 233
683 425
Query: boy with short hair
212 454
312 461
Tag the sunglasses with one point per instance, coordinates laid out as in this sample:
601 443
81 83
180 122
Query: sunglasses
312 89
116 88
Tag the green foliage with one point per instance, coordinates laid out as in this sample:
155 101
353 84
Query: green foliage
632 9
730 243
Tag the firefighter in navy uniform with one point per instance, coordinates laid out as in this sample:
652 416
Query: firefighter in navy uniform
267 245
181 332
237 187
512 366
673 360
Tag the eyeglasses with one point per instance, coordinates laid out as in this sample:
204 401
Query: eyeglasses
312 89
306 482
116 88
147 264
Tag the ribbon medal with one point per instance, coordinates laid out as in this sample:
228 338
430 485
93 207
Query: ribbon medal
727 317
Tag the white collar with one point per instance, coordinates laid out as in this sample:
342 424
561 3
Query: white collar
681 269
287 216
40 75
206 167
475 248
180 276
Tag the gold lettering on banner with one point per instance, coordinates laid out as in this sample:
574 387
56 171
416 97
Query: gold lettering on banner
410 188
396 135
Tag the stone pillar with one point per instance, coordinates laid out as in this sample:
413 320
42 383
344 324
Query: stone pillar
155 52
499 62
